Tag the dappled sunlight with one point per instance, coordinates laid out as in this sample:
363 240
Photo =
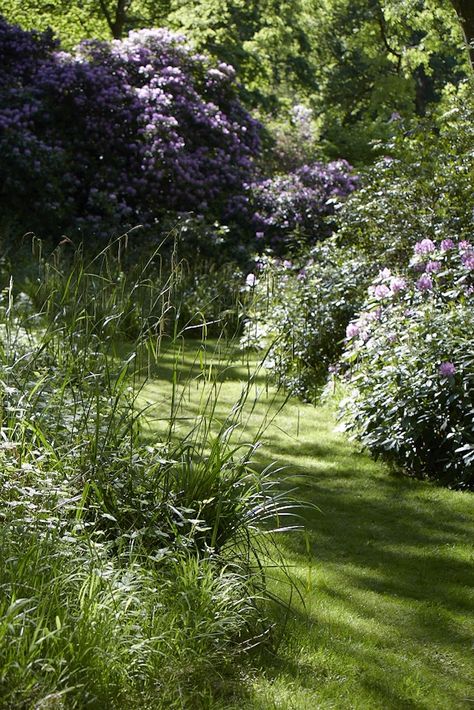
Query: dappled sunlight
384 564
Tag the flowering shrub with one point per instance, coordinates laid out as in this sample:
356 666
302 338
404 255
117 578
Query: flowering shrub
410 353
303 311
300 204
293 140
118 132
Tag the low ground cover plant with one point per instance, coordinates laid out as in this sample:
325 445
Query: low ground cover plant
411 365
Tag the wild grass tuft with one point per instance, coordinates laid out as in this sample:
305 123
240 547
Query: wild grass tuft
132 570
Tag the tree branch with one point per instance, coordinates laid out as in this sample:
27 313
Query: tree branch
107 15
465 13
383 32
116 24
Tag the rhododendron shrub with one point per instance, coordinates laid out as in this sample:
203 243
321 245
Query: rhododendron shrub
298 207
117 133
300 311
411 359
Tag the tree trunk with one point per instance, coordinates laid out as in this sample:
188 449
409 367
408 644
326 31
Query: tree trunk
465 11
117 22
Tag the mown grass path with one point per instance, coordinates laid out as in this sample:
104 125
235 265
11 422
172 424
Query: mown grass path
386 565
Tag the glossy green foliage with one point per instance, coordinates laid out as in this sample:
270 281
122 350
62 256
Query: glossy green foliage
301 314
411 399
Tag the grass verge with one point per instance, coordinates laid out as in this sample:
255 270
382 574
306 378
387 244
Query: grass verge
386 563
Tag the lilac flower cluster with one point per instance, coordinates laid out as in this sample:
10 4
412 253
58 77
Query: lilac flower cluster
118 132
301 201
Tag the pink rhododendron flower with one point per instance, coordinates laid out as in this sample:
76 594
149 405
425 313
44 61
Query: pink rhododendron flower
251 280
426 246
382 291
373 315
352 331
397 284
424 283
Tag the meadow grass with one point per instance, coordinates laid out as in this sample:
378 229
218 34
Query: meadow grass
385 564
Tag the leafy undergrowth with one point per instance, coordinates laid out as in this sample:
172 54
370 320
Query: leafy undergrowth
385 565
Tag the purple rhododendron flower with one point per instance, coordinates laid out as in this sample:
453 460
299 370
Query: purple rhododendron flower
352 331
447 369
424 283
464 245
432 267
467 260
426 246
302 199
447 244
117 133
385 273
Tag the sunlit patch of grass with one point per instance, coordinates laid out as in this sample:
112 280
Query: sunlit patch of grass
385 564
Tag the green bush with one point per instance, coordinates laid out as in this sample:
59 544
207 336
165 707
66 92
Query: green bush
301 313
421 188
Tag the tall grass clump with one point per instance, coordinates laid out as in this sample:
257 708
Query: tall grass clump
132 570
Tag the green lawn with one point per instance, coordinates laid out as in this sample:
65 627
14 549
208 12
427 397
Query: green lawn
386 565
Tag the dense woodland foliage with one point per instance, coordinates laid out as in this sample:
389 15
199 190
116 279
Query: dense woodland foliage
293 178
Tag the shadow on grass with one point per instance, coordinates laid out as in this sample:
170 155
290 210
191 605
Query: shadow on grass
393 581
388 620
